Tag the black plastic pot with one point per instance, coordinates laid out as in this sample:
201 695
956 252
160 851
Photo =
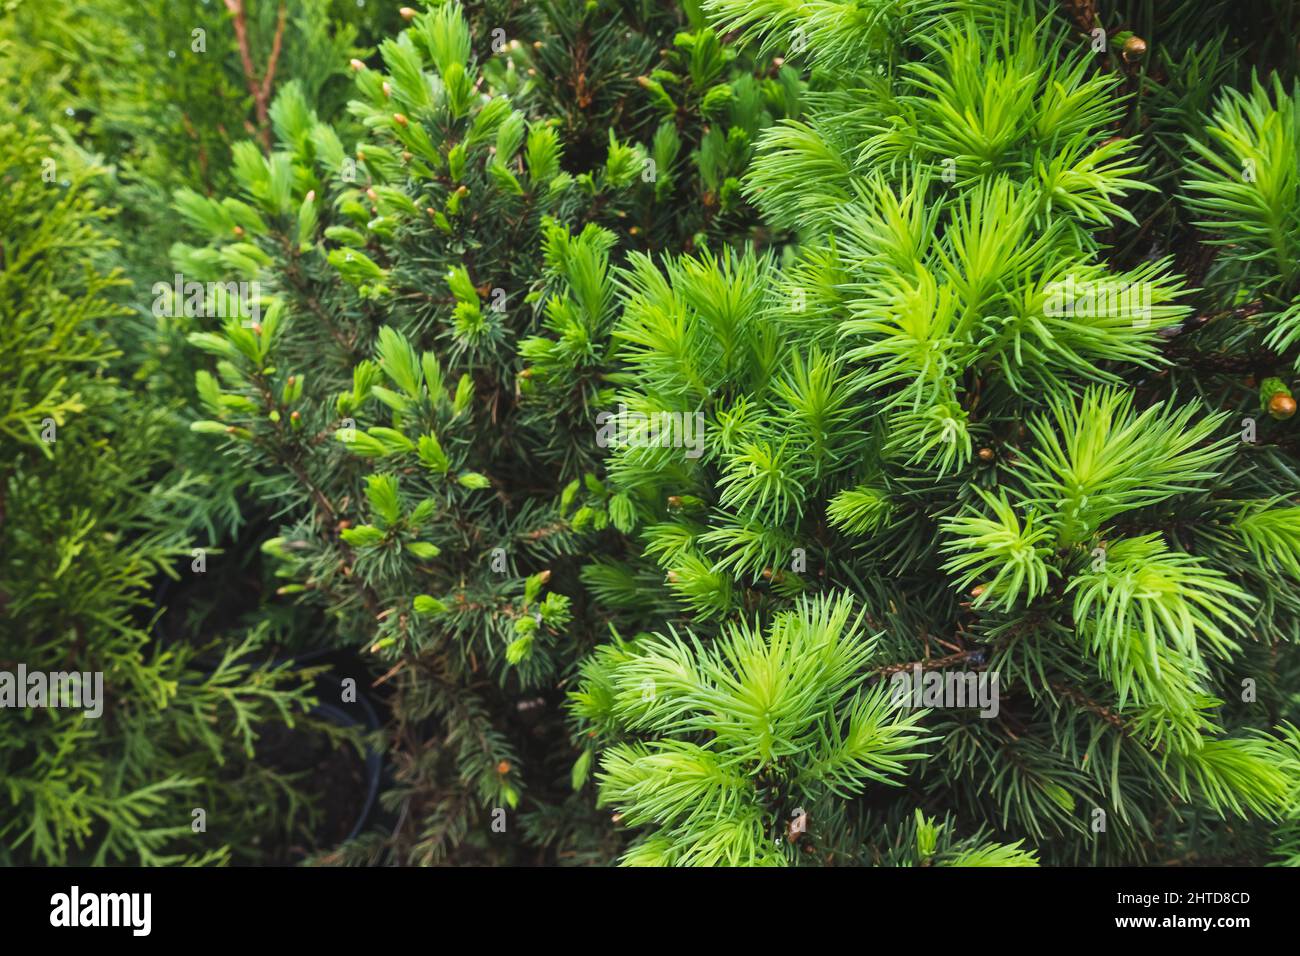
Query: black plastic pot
343 662
369 721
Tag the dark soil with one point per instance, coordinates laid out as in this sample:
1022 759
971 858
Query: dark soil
335 777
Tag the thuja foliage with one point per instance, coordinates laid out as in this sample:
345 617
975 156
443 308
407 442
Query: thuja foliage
86 526
374 388
952 408
149 96
159 92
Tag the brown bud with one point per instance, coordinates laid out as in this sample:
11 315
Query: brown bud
345 524
356 64
374 196
239 230
795 827
544 576
387 88
986 454
977 590
1135 48
503 767
1281 406
406 155
674 501
399 119
408 13
311 195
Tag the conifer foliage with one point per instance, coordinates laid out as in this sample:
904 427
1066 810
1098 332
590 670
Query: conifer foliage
85 526
946 385
728 433
377 392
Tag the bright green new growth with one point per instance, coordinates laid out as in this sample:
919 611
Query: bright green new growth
1000 544
747 731
1245 182
950 291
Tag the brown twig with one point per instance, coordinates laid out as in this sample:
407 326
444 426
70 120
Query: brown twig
1092 706
1082 12
260 90
1187 352
276 43
929 665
